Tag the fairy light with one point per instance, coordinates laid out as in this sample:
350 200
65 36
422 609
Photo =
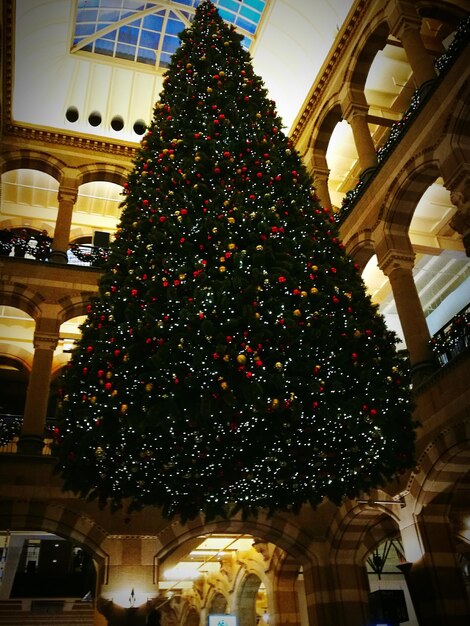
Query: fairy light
232 357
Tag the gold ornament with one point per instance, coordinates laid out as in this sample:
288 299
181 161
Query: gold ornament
297 313
149 387
278 365
241 358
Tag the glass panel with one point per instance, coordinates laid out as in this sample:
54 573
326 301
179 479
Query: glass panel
147 56
153 22
127 34
82 30
165 59
249 14
109 16
229 4
246 42
173 27
226 15
256 4
104 47
88 3
246 25
125 52
87 15
149 39
170 44
110 36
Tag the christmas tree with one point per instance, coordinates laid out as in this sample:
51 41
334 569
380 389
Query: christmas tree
232 359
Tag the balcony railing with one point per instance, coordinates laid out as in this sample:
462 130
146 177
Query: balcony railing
399 128
453 338
84 255
10 429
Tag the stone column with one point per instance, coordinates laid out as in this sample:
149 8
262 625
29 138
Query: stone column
317 166
320 181
432 572
355 113
323 604
45 341
405 25
67 196
397 264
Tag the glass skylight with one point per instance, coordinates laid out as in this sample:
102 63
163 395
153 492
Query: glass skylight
147 32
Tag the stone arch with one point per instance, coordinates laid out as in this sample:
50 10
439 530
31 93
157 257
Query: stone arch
24 515
192 618
372 40
74 306
406 190
323 128
21 297
441 466
454 147
16 357
102 172
276 529
356 531
361 247
246 598
217 602
361 527
286 573
33 160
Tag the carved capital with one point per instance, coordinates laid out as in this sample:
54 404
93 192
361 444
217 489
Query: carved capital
396 260
67 194
45 341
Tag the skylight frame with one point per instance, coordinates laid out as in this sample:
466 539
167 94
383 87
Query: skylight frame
122 29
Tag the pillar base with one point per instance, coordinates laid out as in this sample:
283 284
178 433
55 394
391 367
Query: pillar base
30 444
58 256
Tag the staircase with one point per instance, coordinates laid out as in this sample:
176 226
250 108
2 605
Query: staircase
46 613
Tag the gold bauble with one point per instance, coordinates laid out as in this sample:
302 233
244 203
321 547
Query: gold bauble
241 358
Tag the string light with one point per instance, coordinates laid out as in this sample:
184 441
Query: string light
232 358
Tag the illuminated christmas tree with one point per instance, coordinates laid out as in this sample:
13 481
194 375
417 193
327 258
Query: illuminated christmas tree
232 359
